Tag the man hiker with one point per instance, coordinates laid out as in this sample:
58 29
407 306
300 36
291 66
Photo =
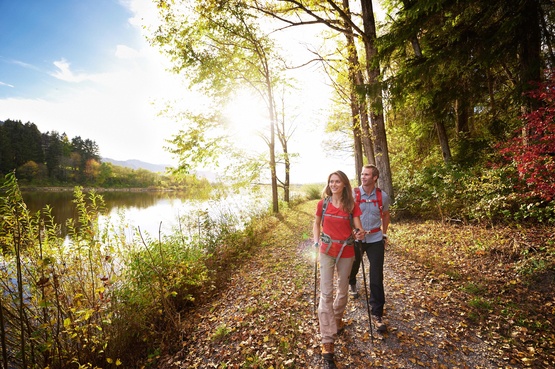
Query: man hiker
374 204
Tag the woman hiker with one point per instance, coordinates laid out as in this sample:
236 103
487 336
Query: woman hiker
336 216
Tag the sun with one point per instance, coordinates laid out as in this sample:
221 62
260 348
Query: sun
248 119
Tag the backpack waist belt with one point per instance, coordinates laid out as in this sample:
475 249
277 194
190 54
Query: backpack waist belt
375 230
328 240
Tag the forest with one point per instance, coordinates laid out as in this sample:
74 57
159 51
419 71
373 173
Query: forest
40 156
454 101
436 93
52 159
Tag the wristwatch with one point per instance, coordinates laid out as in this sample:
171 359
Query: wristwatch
316 244
384 235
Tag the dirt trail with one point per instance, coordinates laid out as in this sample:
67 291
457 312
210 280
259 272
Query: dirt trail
424 330
265 317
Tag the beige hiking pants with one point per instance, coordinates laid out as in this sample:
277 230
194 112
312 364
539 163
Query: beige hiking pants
329 308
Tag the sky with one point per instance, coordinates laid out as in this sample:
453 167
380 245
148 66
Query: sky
85 68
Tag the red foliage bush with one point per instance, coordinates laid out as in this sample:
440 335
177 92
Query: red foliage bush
534 153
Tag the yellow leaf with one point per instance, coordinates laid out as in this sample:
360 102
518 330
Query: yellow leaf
118 362
109 360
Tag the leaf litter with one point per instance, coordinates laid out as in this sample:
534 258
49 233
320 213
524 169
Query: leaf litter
263 317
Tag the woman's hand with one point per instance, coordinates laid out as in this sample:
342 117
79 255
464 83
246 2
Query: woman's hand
359 234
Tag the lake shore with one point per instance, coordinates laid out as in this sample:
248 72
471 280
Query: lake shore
97 189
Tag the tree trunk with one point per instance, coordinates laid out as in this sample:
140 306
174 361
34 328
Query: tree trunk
283 139
272 143
356 137
530 47
529 55
462 114
361 126
376 102
443 141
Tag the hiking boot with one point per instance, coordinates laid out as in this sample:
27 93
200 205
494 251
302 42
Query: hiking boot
340 325
329 363
378 323
327 354
353 291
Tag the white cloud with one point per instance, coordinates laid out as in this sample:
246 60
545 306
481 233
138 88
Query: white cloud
64 73
24 65
6 84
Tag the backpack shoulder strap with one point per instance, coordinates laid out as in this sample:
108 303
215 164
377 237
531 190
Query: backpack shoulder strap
379 198
324 207
357 195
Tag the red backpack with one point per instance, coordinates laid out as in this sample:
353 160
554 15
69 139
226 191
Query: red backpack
359 200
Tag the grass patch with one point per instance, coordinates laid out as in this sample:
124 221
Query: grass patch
474 288
221 332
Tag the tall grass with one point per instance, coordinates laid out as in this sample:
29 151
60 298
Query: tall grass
94 299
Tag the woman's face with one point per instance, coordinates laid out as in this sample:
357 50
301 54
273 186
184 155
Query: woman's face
335 184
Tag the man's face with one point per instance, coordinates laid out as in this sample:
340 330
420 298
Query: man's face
366 177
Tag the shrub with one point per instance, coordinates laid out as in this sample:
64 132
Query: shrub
95 300
475 194
313 192
532 149
58 298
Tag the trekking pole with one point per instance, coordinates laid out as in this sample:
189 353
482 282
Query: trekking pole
315 274
366 291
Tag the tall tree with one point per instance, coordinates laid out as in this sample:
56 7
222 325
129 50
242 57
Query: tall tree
220 48
381 150
468 60
335 16
361 126
22 143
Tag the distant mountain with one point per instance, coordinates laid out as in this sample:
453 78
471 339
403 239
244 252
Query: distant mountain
157 168
137 164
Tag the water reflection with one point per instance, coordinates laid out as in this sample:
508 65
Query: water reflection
151 212
141 209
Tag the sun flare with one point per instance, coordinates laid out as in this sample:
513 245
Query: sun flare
248 118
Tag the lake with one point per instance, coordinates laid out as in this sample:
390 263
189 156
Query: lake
145 209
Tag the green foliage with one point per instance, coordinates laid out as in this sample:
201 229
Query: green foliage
313 192
95 299
221 332
57 158
513 184
58 294
51 159
475 194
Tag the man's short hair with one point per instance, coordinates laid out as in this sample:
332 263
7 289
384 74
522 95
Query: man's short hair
375 170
